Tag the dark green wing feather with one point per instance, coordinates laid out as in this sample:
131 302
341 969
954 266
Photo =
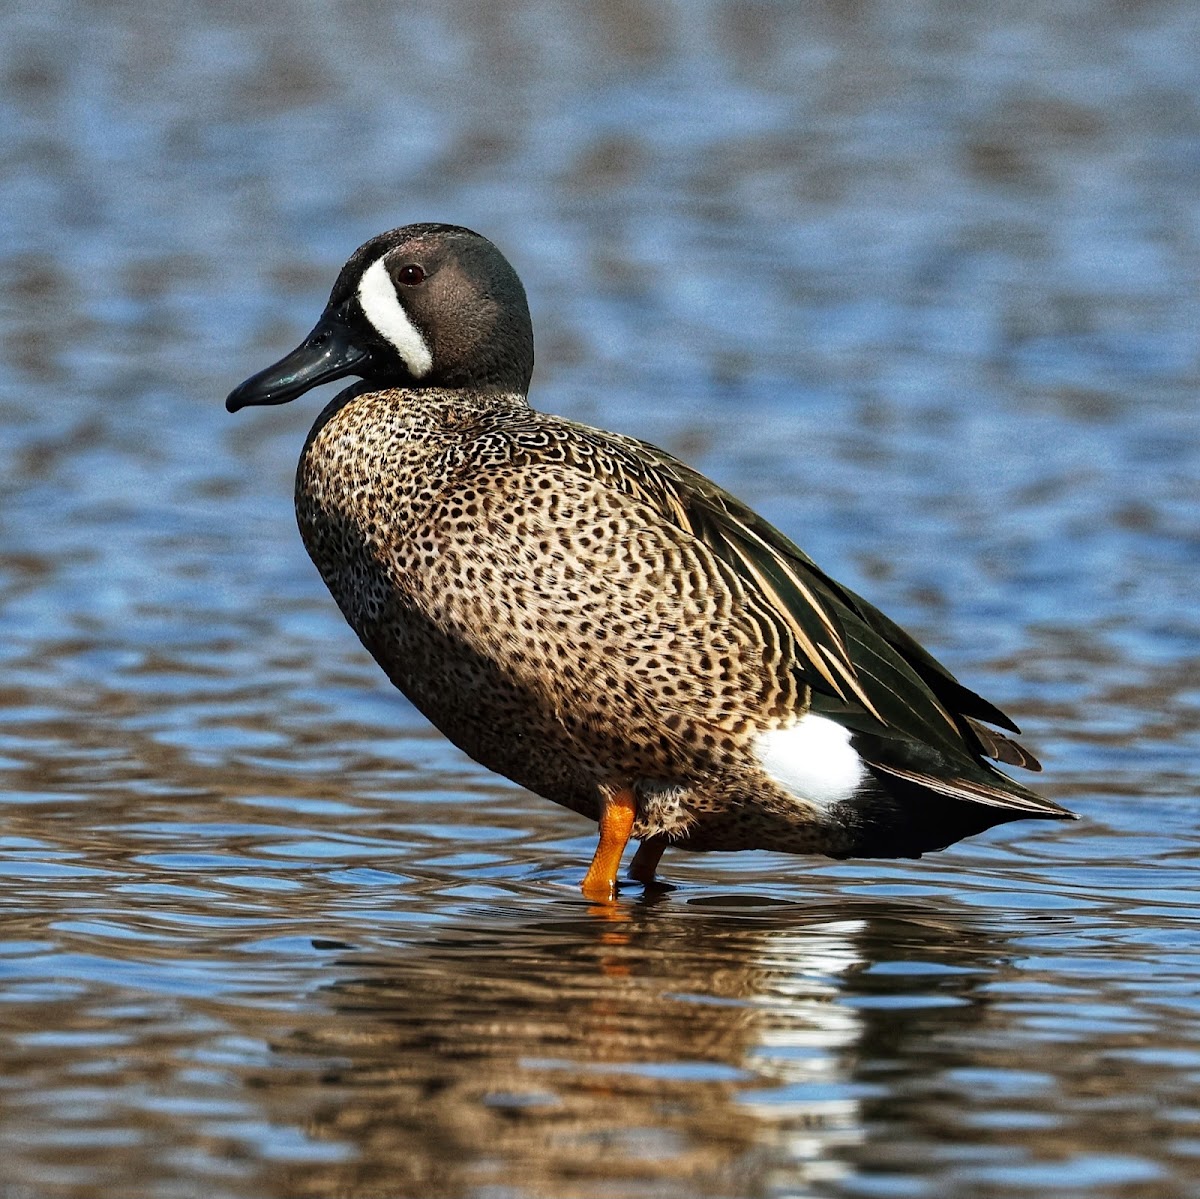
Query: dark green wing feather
863 668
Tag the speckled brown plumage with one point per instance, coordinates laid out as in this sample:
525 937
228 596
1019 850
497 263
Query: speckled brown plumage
538 607
588 616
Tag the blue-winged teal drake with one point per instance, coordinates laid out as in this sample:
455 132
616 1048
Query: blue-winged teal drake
585 614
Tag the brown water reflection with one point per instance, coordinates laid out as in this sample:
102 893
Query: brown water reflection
621 1045
730 1045
678 1051
710 1053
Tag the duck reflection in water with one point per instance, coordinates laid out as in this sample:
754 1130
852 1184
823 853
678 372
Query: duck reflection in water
692 1046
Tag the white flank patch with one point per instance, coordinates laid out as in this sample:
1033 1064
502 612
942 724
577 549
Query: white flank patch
813 759
377 295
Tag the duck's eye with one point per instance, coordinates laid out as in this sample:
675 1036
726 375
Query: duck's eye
411 274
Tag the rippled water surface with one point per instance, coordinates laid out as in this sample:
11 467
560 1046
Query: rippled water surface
918 280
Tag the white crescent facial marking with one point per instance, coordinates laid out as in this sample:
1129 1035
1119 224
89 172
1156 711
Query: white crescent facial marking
377 295
813 759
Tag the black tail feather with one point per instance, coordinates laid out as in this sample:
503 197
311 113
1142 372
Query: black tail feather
902 817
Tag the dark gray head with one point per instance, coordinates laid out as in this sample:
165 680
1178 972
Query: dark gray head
422 306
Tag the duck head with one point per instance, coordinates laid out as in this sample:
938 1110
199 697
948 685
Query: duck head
421 306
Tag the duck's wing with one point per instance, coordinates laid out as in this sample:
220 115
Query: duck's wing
864 670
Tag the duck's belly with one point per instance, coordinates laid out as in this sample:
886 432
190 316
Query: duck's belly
484 707
702 800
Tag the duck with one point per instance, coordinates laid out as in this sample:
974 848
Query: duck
588 616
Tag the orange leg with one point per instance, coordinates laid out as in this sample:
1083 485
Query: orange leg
645 861
616 822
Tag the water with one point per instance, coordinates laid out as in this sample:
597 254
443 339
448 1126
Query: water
919 281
